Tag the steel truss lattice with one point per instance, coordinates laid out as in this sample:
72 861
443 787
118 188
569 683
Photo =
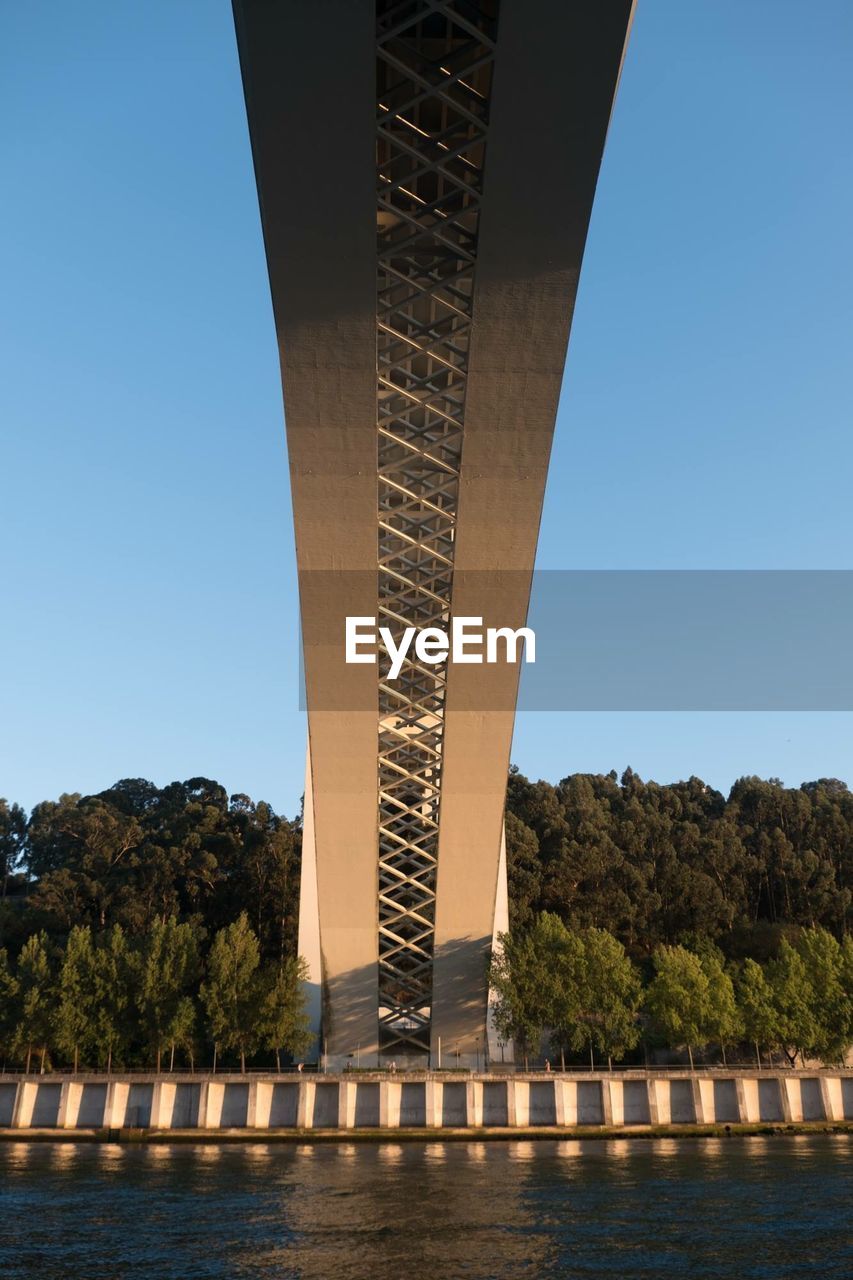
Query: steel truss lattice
434 74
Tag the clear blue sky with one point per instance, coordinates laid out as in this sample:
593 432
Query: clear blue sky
149 608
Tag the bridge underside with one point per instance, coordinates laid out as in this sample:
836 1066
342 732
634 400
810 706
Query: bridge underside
426 171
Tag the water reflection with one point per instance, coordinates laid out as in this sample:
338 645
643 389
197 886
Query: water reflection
484 1211
569 1150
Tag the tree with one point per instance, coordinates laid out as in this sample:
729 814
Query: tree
678 998
168 969
114 979
522 988
793 1002
722 1020
8 1002
77 999
283 1021
757 1010
561 953
86 855
13 830
846 979
231 990
823 959
34 1021
610 994
182 1030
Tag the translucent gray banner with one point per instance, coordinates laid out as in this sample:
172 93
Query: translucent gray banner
614 640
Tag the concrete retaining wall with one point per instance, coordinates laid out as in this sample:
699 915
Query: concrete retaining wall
429 1101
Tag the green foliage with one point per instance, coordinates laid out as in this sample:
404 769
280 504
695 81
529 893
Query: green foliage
13 834
136 854
723 1021
78 996
113 1016
8 1003
610 994
282 1019
829 1001
231 992
678 998
35 999
793 996
660 864
109 903
755 1003
520 981
168 968
581 986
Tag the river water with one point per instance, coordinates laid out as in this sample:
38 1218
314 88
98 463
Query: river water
738 1207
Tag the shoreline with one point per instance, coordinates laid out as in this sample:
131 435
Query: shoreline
532 1133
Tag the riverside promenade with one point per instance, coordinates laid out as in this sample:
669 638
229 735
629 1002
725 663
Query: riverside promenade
385 1104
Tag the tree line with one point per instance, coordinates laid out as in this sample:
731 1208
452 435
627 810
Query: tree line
136 854
108 999
654 867
670 864
579 991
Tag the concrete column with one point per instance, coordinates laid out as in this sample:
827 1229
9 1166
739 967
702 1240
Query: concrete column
25 1101
606 1101
346 1104
215 1104
70 1097
699 1115
791 1098
203 1095
162 1104
570 1101
115 1108
559 1102
432 1104
305 1104
709 1105
252 1105
832 1097
748 1105
154 1122
390 1096
617 1101
511 1120
522 1103
656 1101
474 1104
263 1104
63 1105
168 1097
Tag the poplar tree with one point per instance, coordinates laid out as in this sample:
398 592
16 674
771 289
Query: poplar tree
34 1021
231 992
823 957
722 1018
562 989
793 1002
522 989
678 998
8 1002
168 970
283 1021
610 994
113 966
757 1011
77 995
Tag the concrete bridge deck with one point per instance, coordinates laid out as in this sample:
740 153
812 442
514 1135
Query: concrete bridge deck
419 1103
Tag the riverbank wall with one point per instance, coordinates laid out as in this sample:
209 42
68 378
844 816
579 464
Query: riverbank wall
384 1102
